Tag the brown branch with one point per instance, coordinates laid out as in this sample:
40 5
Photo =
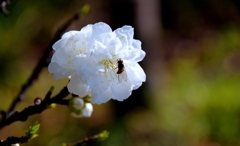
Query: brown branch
43 62
35 109
13 140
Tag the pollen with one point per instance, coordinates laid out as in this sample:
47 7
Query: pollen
107 63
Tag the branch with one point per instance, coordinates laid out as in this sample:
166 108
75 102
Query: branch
43 62
37 108
30 134
13 140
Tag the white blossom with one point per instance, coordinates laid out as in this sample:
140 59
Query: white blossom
15 144
100 61
98 70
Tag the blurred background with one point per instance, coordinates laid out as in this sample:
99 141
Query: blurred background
192 93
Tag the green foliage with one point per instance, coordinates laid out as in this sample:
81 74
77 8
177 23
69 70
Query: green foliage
33 130
199 99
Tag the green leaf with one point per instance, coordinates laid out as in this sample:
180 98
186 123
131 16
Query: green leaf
33 130
51 89
87 98
53 105
103 135
85 9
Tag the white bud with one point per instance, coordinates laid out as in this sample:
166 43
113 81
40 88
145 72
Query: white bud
78 103
87 110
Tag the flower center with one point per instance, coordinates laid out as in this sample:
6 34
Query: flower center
108 64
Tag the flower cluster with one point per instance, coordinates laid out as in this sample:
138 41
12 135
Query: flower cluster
99 61
80 108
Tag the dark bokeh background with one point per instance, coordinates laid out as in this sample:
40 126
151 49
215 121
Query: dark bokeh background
192 93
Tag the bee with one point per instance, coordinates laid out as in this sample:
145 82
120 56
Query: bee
120 66
121 71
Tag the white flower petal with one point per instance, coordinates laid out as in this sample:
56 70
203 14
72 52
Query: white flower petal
121 90
101 28
141 56
58 71
101 32
69 34
59 44
61 58
125 34
114 46
136 75
85 67
137 44
77 86
87 29
139 72
100 52
99 97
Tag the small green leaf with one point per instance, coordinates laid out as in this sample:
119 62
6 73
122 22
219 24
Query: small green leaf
85 9
51 89
33 130
87 98
53 105
103 135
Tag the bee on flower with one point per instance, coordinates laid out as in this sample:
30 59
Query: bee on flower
99 61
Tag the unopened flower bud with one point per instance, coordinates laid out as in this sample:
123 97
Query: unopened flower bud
86 111
76 103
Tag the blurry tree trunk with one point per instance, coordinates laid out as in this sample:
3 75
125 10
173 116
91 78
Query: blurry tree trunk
150 31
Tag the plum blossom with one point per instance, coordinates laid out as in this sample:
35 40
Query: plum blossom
99 61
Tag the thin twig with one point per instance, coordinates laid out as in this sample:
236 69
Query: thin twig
35 109
91 139
43 62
